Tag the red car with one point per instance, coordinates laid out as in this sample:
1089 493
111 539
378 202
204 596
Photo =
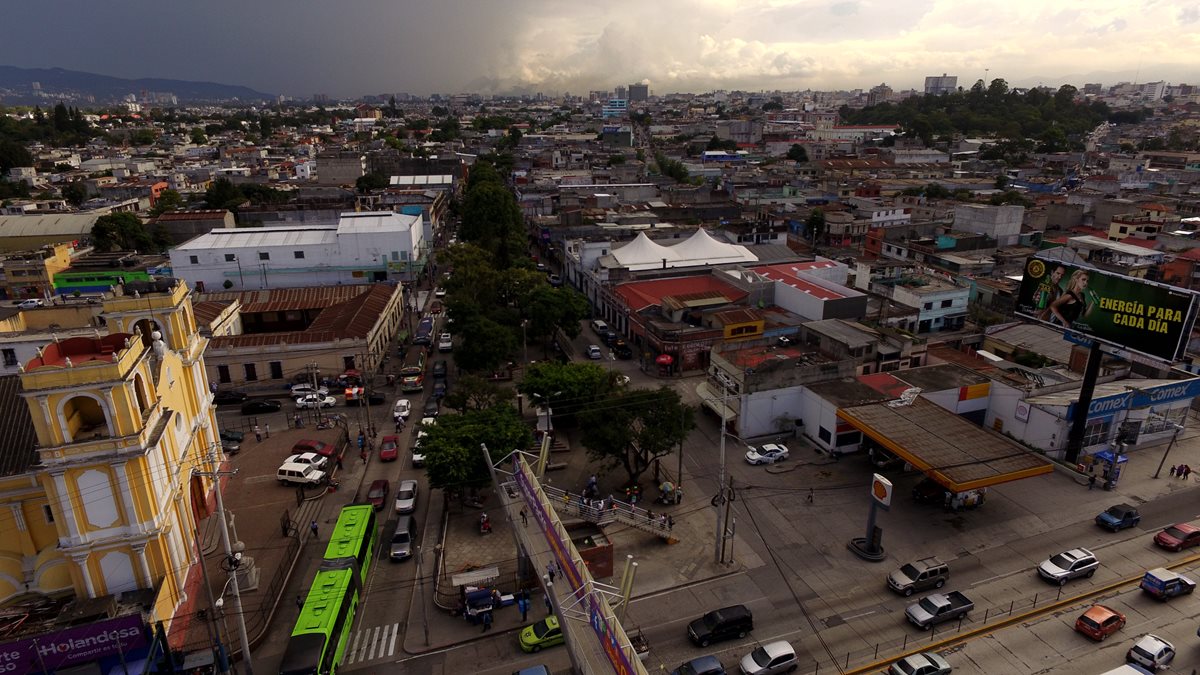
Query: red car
1099 622
1178 537
307 445
389 449
377 494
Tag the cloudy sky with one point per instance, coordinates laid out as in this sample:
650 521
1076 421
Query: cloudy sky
353 47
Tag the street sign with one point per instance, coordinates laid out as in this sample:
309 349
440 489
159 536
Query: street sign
881 491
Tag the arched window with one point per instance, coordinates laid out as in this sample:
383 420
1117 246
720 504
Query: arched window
142 396
85 417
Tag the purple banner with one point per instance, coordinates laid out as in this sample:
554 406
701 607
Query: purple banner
562 553
73 646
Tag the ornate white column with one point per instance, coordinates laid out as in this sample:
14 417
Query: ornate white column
81 560
66 506
139 551
133 523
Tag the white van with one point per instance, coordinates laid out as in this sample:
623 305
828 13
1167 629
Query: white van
600 327
293 473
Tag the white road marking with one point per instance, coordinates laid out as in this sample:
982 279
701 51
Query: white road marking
392 644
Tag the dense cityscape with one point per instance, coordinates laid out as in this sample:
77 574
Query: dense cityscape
625 380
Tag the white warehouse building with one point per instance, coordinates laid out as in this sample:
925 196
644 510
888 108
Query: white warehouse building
360 248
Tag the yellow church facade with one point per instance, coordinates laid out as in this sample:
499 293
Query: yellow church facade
105 500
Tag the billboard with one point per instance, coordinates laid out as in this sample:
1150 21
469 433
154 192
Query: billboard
1136 314
73 646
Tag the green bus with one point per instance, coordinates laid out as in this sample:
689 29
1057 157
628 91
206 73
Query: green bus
354 538
318 642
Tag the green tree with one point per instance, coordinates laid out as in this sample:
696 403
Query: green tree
223 194
121 232
549 309
75 193
454 460
492 219
13 154
816 225
1001 182
472 392
62 118
486 344
371 181
569 388
797 153
632 428
169 200
198 136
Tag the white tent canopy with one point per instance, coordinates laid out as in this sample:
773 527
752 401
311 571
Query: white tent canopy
699 249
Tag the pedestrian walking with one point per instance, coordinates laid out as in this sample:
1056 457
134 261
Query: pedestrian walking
299 601
670 523
487 621
363 456
257 433
313 526
268 430
809 498
1173 471
299 421
399 424
1091 481
523 605
550 571
549 607
524 518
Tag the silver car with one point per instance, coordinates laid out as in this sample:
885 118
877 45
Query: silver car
1059 569
406 496
769 659
925 663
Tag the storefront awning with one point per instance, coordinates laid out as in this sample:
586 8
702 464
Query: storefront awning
712 399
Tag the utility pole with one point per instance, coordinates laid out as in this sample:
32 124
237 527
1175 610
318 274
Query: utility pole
231 559
719 500
212 603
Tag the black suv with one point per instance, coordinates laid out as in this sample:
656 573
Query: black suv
721 624
439 370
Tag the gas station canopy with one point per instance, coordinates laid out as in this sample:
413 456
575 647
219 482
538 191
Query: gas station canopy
949 449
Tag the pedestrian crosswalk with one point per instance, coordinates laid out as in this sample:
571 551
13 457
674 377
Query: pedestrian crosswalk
368 644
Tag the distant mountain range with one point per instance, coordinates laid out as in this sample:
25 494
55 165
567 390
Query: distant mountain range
16 86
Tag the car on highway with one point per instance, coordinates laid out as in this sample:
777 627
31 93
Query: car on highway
1119 517
702 665
770 659
309 445
308 458
924 663
919 575
1151 652
1068 565
261 407
228 397
1178 537
406 496
389 449
543 634
377 493
726 623
313 401
1100 621
402 409
304 389
768 453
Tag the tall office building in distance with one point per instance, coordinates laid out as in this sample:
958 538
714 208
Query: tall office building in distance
946 84
619 92
639 92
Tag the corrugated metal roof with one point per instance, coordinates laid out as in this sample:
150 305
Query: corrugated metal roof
282 299
17 437
70 225
262 237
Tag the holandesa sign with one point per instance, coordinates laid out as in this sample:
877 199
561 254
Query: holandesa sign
1141 316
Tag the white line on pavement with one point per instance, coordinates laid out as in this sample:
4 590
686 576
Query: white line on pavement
392 643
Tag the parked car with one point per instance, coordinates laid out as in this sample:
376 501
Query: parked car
418 456
439 390
402 409
313 401
919 575
1164 584
555 280
231 436
1178 537
1068 565
402 539
231 447
445 342
1100 621
594 353
431 408
599 327
703 665
938 608
261 407
439 370
32 303
622 349
439 293
924 663
768 453
721 624
308 458
1119 517
299 474
406 496
227 397
770 659
308 445
1151 652
377 493
389 449
304 389
543 634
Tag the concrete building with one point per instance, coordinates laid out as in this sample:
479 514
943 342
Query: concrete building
941 304
22 233
361 247
1002 223
30 274
639 93
340 167
946 84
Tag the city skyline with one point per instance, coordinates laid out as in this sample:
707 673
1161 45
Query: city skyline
372 46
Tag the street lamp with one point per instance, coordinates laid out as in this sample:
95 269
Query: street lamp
241 279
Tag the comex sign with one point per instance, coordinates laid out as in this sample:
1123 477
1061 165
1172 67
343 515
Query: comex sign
1166 393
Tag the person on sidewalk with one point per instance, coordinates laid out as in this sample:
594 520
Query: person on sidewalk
313 526
487 621
267 428
549 607
523 605
550 571
299 601
524 518
299 421
1091 481
1173 471
257 434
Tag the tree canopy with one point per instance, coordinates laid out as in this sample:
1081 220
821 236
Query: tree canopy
454 459
125 232
630 429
